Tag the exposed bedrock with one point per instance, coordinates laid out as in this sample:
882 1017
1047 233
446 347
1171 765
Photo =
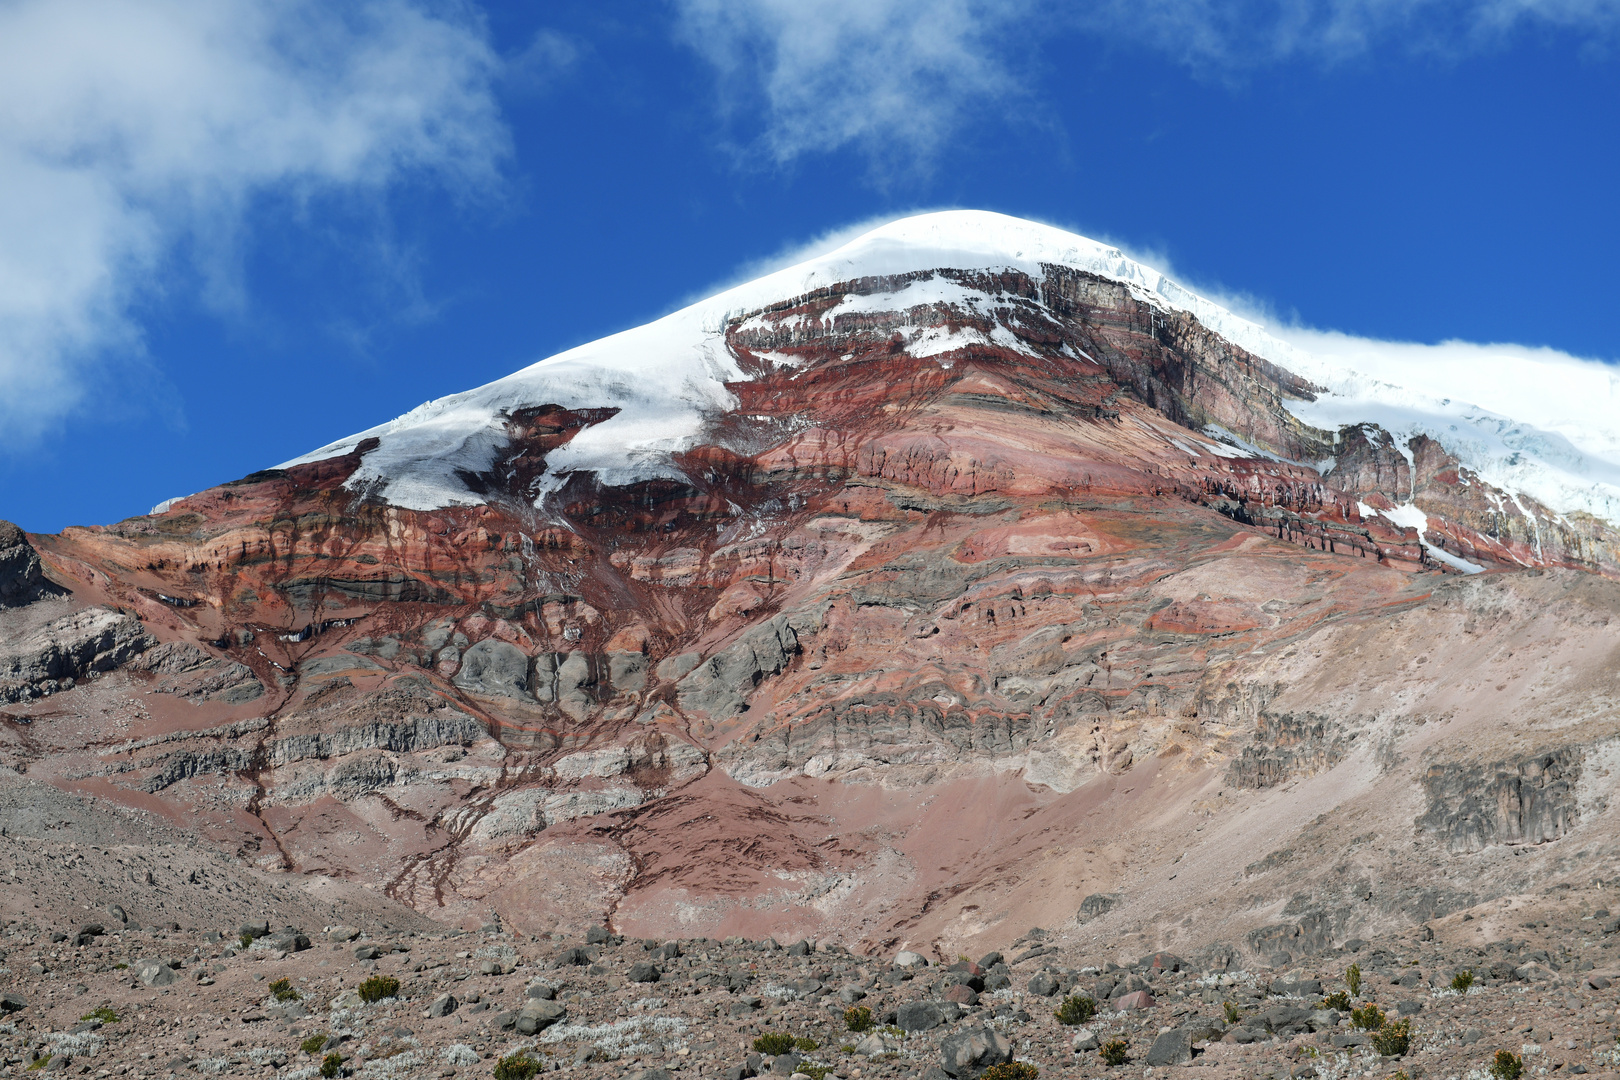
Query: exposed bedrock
22 578
1529 801
54 656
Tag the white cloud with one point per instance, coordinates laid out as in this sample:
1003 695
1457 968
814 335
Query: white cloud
904 81
894 78
130 130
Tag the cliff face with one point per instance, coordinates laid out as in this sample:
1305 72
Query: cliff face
951 584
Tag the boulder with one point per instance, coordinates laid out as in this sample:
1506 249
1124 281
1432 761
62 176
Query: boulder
962 994
850 993
1173 1047
644 973
342 934
969 1053
924 1015
538 1015
154 973
1086 1039
909 959
443 1005
1043 984
11 1002
1136 999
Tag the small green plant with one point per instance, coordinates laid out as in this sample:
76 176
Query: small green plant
1309 1051
858 1018
1352 979
773 1043
805 1045
314 1044
1337 1000
120 967
1398 1074
1075 1010
104 1014
282 990
1506 1065
378 987
1233 1013
1393 1039
518 1066
1368 1018
847 1049
892 1032
1115 1052
245 940
332 1065
814 1070
1461 981
1011 1070
41 1061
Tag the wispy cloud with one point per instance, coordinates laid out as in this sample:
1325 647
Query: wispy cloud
130 133
903 81
891 77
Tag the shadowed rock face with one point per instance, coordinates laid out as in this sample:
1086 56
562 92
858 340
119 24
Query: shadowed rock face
1532 801
903 650
22 579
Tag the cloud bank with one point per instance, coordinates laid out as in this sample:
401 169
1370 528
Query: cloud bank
129 132
900 80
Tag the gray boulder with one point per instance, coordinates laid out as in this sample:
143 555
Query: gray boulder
494 669
153 972
644 973
443 1005
1043 985
1174 1047
923 1015
1086 1039
538 1015
969 1053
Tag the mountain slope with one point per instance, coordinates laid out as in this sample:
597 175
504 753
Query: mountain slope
918 591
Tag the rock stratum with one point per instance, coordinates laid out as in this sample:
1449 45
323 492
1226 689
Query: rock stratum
949 597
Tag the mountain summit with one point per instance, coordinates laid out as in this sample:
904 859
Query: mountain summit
969 575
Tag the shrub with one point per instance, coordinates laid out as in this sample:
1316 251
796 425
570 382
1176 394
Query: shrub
1368 1018
313 1044
1461 981
1338 1000
104 1014
1115 1052
1399 1074
858 1018
1393 1039
1506 1065
1075 1010
813 1070
332 1065
518 1066
1233 1013
892 1032
773 1043
1011 1070
805 1045
1352 979
378 987
245 940
41 1061
282 990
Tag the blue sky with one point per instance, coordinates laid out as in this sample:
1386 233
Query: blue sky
233 231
